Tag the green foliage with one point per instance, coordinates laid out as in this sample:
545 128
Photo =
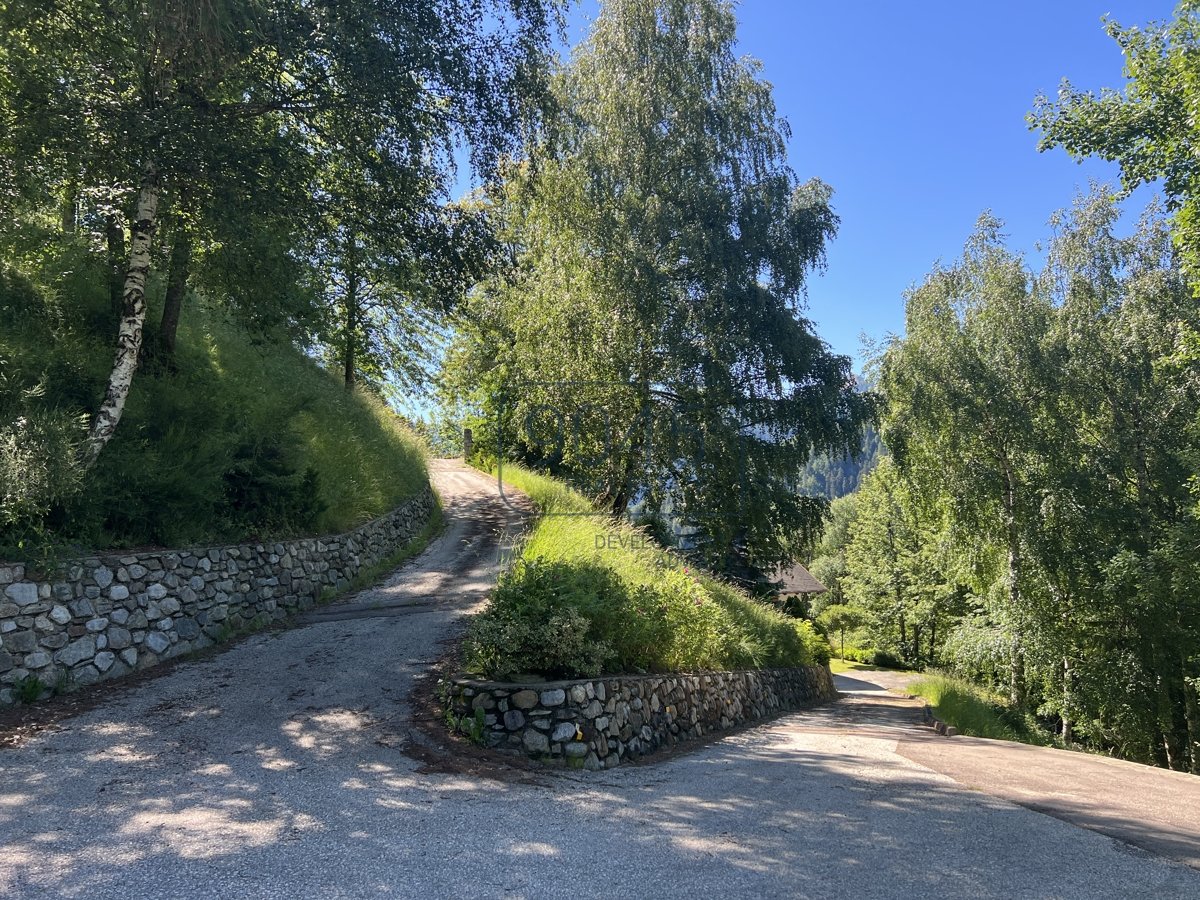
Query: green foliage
815 645
834 477
975 711
250 438
540 621
241 436
857 654
869 656
828 562
839 618
549 495
276 156
662 247
895 569
593 596
885 659
978 649
30 689
473 726
1044 428
259 117
39 441
1151 128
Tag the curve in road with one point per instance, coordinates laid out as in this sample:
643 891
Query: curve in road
272 770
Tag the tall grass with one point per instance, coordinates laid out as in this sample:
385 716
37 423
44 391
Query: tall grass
367 461
974 710
236 436
548 494
592 594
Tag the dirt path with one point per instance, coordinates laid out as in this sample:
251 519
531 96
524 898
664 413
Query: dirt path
457 570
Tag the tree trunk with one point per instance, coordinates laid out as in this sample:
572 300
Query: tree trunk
1016 675
181 258
1168 723
133 318
1171 752
1068 678
1191 714
115 236
623 490
349 358
620 500
68 208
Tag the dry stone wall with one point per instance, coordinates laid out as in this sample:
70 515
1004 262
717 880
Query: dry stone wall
600 723
108 615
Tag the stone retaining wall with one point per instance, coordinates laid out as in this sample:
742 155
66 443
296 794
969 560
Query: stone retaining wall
599 723
108 615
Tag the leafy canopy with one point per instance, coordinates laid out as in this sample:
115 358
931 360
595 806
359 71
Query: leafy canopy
648 339
1151 128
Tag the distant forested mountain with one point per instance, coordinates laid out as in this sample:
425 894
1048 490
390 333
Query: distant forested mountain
838 476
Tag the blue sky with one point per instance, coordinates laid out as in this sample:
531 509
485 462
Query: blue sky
915 114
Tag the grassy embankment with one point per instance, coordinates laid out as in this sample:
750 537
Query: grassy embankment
590 595
237 436
974 710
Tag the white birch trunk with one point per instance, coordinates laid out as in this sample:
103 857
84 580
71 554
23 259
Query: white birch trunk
133 318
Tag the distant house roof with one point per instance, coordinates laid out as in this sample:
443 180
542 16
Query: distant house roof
795 579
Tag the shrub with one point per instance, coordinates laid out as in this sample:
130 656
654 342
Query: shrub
858 655
814 642
572 608
568 619
888 660
534 623
871 657
38 464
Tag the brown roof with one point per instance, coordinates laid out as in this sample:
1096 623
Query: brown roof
795 579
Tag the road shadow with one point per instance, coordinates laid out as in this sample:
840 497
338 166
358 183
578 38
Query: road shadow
322 805
846 684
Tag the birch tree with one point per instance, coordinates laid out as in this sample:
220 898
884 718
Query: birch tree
226 102
963 389
660 247
1150 127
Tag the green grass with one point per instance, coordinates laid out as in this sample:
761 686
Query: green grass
366 459
548 494
591 594
974 710
239 436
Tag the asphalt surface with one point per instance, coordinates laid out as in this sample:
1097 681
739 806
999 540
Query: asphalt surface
1151 808
277 769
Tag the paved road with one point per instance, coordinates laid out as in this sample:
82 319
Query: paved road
276 770
1151 808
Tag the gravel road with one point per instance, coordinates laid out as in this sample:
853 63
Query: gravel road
276 769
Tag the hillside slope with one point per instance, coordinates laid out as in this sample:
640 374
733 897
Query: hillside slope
595 595
236 436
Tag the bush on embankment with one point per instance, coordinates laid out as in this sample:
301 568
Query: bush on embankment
869 656
591 596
